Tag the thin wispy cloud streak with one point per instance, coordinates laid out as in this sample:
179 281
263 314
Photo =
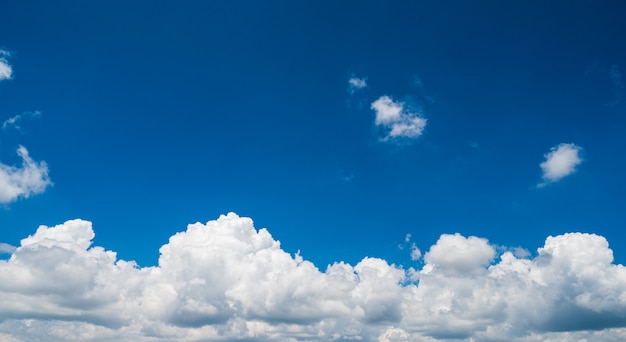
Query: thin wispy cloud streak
15 121
227 280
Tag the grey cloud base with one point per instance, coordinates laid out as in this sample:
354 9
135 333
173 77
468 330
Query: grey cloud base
225 280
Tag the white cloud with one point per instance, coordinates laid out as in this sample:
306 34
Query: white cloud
15 120
225 280
6 248
520 252
457 254
6 72
356 83
560 162
387 111
396 121
415 252
30 179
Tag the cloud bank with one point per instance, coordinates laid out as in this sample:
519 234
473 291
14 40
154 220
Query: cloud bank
225 280
396 120
560 162
30 179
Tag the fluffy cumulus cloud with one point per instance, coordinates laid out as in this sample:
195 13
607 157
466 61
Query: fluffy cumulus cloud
226 280
460 255
394 118
560 161
6 72
356 83
29 179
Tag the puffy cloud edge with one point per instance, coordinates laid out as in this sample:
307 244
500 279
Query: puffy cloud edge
227 280
22 182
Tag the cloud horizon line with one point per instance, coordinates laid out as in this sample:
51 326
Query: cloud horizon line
227 280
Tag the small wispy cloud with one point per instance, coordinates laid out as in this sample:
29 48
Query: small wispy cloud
14 122
6 71
21 182
356 83
396 120
32 177
560 161
416 253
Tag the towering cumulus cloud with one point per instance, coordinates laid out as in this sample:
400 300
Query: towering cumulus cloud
225 280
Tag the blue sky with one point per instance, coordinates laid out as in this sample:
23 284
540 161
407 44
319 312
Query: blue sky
154 115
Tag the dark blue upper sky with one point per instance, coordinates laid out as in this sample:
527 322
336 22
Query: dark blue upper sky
157 114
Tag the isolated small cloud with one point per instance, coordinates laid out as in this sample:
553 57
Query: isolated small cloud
415 252
396 120
29 179
560 161
14 122
226 280
356 83
6 71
